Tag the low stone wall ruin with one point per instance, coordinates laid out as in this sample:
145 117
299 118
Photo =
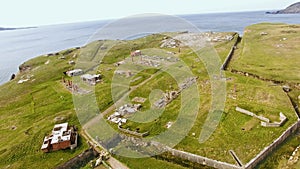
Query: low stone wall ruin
252 114
134 133
265 122
269 149
80 160
230 54
201 160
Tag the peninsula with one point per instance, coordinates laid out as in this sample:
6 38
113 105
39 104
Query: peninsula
292 9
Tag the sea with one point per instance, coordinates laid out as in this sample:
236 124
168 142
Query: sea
18 46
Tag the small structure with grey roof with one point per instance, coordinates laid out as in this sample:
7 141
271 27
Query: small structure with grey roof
91 79
75 72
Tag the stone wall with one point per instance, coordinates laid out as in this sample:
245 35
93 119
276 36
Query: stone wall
252 114
201 160
282 118
80 160
267 150
230 54
134 133
251 164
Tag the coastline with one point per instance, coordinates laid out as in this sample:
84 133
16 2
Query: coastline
20 45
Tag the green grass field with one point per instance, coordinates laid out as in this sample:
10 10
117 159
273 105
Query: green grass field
28 110
274 55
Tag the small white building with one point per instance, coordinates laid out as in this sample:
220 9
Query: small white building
91 79
75 72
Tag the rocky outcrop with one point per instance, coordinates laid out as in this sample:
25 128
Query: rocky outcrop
23 68
13 76
292 9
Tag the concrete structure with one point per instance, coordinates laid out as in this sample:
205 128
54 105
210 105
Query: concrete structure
127 109
252 114
127 73
265 122
273 146
75 72
282 119
91 79
136 53
62 137
166 99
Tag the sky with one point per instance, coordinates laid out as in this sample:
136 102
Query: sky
22 13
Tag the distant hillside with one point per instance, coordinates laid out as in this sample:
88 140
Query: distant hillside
292 9
6 29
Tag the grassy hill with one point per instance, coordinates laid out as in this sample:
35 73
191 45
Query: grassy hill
29 110
270 51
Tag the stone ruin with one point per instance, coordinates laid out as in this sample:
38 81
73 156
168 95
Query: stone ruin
127 73
194 39
139 99
25 78
74 88
160 58
263 33
265 122
169 43
282 119
170 96
188 82
150 63
118 116
166 99
294 158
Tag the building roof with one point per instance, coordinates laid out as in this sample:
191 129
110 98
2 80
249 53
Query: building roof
60 133
89 76
75 71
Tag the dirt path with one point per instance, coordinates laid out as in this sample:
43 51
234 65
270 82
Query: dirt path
115 164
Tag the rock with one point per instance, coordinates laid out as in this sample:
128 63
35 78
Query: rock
286 88
24 68
59 118
13 127
263 33
13 76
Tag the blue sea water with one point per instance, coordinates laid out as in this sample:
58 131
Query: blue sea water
17 46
